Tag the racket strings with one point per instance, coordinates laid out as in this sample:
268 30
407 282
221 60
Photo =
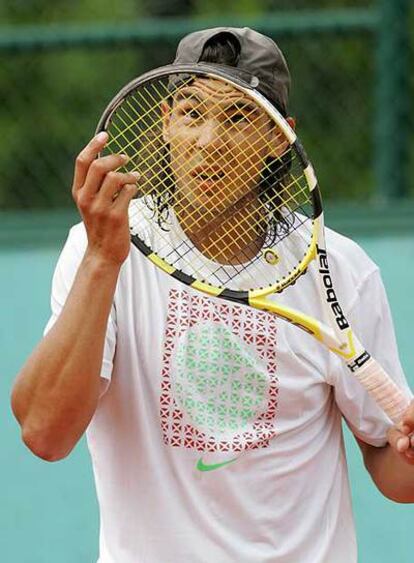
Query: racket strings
151 109
121 132
140 141
116 139
141 116
292 197
137 129
219 241
286 188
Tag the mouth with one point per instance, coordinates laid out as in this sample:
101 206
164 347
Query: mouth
209 175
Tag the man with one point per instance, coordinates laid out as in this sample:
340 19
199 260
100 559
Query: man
136 359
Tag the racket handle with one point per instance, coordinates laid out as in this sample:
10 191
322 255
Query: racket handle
383 389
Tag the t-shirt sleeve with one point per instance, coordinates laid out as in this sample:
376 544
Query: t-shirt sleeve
370 318
64 275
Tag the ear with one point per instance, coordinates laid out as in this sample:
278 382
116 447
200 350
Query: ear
292 122
278 142
165 117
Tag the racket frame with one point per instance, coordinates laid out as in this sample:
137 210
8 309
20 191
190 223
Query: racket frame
334 331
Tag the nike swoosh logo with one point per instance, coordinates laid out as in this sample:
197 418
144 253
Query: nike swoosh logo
201 466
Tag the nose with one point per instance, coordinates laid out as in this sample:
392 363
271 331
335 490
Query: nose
210 135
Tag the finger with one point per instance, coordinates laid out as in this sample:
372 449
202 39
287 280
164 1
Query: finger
98 172
406 429
398 440
114 183
125 195
403 444
86 157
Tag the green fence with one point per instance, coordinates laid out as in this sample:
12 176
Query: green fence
351 94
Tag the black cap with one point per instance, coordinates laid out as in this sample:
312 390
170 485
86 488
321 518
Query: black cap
259 57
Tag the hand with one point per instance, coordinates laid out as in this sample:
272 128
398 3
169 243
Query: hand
102 195
401 437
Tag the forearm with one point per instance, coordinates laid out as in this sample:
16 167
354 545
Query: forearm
393 476
56 392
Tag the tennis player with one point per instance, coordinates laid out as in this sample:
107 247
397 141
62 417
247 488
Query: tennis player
214 429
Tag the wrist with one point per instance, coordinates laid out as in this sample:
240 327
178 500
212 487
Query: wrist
100 266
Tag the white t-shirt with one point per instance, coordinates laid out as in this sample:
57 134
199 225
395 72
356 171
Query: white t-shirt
218 438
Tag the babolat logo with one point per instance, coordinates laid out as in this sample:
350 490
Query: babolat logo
329 290
360 361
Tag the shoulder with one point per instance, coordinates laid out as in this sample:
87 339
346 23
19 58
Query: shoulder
347 256
342 248
353 271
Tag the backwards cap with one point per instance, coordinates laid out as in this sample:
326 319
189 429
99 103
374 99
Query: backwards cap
259 57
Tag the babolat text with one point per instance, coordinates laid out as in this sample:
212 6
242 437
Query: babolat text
329 290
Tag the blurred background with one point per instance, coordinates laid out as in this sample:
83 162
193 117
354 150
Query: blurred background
60 64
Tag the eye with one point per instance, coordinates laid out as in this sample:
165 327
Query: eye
189 112
193 113
238 117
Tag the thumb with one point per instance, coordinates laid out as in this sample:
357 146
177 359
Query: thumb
398 439
401 441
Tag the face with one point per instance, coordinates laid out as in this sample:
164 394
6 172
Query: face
219 141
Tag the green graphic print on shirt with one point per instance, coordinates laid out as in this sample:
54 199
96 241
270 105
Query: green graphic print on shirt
219 381
219 384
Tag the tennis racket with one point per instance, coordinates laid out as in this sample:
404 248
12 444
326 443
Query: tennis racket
228 202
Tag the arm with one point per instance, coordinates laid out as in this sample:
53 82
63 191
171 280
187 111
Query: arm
389 466
56 393
392 466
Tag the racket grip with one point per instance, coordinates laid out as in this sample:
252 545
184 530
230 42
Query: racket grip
383 389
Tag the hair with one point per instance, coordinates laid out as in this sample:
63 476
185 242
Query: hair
224 48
